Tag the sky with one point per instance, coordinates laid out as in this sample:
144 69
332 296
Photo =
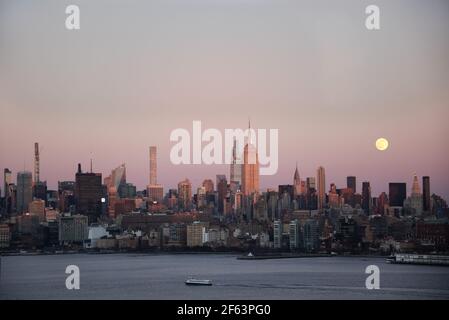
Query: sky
136 70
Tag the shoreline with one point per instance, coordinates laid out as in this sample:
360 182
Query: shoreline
239 254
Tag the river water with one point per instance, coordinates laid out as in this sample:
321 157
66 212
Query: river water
162 276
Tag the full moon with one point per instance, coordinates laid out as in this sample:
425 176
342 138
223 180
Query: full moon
382 144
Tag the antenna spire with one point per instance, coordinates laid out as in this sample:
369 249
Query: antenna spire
250 136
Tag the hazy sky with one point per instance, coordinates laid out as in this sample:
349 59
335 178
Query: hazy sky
136 70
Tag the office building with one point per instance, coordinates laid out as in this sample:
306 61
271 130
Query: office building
40 190
37 207
88 193
155 191
5 236
426 193
334 198
277 234
286 189
397 192
414 203
250 172
351 183
311 239
24 191
294 234
7 180
297 182
208 184
236 166
222 189
366 197
321 185
184 194
73 229
195 234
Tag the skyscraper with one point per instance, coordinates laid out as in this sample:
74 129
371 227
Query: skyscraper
310 184
88 193
236 166
321 185
185 194
426 193
351 183
153 165
334 198
7 180
297 181
366 197
416 190
414 203
155 191
277 234
36 163
397 193
40 190
250 173
382 201
118 176
201 200
294 234
24 191
39 187
222 188
208 184
311 239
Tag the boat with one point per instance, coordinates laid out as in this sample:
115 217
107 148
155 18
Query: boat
198 282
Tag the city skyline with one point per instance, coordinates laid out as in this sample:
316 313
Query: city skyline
296 177
265 150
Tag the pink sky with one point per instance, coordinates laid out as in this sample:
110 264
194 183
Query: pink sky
136 71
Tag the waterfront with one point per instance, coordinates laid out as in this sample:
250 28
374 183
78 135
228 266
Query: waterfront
162 276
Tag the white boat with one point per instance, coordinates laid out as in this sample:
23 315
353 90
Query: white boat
198 282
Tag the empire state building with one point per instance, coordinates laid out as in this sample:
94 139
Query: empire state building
250 170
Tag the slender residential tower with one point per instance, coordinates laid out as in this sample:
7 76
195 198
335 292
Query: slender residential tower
426 193
153 165
155 191
321 185
36 163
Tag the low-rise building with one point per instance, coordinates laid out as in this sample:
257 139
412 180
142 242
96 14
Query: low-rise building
196 234
5 236
96 232
73 229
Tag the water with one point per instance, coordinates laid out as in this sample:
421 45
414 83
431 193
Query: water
144 276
